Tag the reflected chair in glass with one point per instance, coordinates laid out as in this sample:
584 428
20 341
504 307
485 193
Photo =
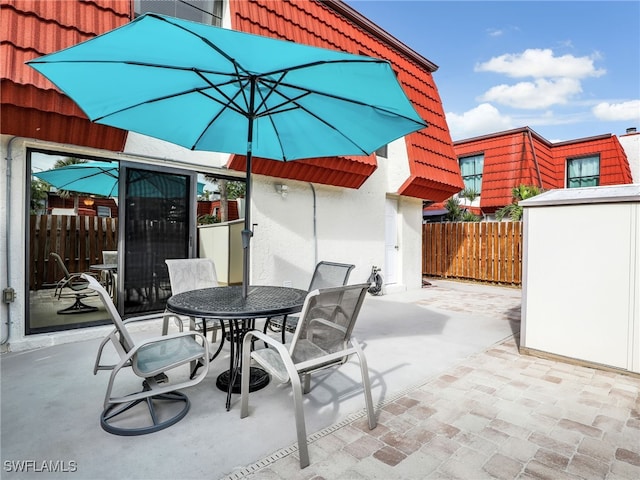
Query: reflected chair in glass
326 274
187 274
322 339
72 285
151 360
110 277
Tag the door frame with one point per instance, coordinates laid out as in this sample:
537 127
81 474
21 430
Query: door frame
123 212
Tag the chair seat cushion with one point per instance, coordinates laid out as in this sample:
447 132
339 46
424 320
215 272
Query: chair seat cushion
271 361
158 356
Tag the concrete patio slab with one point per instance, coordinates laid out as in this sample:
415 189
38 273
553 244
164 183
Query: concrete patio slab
453 399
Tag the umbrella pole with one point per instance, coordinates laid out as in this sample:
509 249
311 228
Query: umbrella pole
247 233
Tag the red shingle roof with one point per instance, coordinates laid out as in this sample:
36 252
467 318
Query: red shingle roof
521 156
31 105
334 25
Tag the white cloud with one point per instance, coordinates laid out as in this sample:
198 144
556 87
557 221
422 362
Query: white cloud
541 63
542 93
495 32
618 111
481 120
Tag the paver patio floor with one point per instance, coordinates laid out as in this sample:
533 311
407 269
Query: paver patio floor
498 414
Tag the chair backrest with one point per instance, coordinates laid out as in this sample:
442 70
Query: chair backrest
109 256
61 264
326 321
125 339
191 274
330 274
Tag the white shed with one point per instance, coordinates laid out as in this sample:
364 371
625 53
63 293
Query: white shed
581 275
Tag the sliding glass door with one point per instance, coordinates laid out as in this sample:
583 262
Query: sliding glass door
158 222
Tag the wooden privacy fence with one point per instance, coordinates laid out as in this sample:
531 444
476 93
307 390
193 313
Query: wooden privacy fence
79 240
485 251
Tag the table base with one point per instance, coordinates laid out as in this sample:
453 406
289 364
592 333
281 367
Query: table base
258 380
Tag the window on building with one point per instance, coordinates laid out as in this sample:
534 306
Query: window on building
202 11
382 151
583 172
471 170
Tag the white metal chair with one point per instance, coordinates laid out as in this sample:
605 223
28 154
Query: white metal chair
187 274
322 339
325 275
150 360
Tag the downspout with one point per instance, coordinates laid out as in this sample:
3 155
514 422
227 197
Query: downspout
315 229
7 294
535 158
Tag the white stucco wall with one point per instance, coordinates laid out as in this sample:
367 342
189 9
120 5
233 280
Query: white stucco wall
631 145
349 225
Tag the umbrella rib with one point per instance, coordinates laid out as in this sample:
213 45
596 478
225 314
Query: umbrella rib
337 97
205 40
318 63
231 103
151 100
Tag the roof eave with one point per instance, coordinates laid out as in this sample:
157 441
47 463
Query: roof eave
345 10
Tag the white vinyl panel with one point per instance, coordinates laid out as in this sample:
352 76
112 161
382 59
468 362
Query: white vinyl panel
578 272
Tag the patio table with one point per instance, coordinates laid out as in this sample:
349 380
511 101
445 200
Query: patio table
227 303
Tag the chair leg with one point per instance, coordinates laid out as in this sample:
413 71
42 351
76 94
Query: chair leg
112 412
306 383
301 430
366 383
77 307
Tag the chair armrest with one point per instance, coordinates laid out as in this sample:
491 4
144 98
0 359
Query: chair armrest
327 323
164 338
279 346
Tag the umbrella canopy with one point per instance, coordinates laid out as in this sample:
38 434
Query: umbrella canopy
101 178
208 88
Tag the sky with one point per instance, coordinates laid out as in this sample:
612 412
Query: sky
567 70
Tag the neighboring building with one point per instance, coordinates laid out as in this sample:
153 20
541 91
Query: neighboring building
492 165
360 210
213 208
630 142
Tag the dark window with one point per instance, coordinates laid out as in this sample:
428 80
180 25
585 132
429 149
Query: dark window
583 172
471 170
202 11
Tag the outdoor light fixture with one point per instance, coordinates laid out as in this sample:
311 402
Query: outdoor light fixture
282 189
88 201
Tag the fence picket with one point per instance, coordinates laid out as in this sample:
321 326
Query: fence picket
79 240
484 251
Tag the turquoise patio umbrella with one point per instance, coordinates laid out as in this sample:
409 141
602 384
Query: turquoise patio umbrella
214 89
101 178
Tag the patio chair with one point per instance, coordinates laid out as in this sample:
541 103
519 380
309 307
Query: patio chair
149 360
322 339
191 274
75 285
109 277
326 274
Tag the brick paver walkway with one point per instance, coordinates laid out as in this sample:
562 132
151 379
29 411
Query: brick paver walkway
498 415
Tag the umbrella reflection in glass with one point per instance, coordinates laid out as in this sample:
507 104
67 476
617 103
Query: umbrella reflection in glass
101 178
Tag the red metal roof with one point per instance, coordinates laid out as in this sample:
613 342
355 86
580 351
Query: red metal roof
333 24
31 106
349 172
521 156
